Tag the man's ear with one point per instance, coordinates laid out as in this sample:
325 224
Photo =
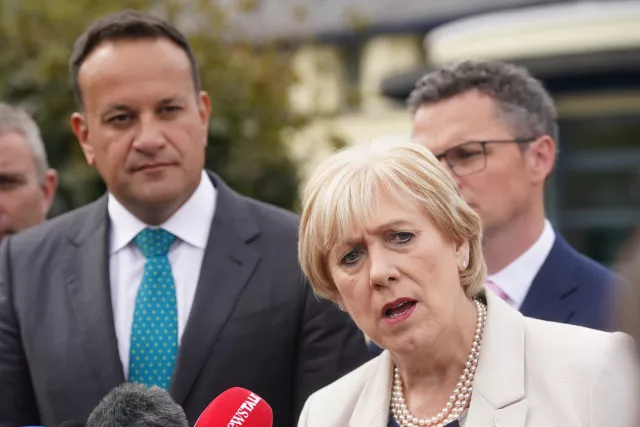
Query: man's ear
541 157
204 110
81 130
49 187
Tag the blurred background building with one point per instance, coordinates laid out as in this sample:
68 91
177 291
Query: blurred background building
356 62
291 80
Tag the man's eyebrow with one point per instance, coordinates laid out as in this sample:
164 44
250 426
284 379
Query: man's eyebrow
124 107
171 100
116 107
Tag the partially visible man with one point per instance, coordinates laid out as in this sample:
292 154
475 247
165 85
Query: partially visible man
171 278
27 184
494 127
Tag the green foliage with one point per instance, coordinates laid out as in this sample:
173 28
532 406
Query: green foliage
248 86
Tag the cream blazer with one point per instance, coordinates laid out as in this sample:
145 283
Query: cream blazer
531 373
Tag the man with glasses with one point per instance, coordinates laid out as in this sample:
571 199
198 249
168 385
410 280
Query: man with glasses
493 126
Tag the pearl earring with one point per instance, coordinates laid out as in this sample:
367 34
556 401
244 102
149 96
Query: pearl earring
340 307
463 263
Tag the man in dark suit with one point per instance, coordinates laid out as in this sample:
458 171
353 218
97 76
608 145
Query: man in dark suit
170 279
493 126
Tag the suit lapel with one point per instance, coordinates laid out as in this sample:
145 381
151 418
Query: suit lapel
486 415
549 297
372 407
498 388
227 266
89 292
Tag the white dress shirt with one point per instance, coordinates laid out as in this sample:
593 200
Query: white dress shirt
191 225
516 278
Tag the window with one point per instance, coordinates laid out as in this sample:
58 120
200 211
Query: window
598 183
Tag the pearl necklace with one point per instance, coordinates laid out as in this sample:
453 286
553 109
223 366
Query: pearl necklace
460 397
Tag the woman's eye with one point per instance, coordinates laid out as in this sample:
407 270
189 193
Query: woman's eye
351 257
401 237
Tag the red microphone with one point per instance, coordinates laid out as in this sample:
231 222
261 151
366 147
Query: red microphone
236 407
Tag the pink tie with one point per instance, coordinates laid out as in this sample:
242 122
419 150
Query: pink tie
496 290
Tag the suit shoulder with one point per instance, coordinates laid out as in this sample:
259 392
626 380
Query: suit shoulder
588 269
274 215
52 230
561 342
593 269
580 372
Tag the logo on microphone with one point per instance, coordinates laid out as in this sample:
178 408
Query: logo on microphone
244 410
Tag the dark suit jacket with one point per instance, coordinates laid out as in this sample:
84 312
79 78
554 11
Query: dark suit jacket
569 288
254 322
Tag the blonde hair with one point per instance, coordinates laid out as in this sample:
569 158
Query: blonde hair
343 191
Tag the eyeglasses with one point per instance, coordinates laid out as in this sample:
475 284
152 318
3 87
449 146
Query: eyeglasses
471 157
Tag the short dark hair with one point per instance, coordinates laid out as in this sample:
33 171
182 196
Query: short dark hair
135 405
126 25
521 98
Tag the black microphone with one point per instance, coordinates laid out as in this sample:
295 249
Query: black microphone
72 423
132 404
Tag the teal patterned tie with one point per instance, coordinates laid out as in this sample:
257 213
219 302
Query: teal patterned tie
154 332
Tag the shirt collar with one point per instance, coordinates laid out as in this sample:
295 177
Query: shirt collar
516 278
191 223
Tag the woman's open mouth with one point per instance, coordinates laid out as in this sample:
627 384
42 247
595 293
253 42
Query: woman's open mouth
398 310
